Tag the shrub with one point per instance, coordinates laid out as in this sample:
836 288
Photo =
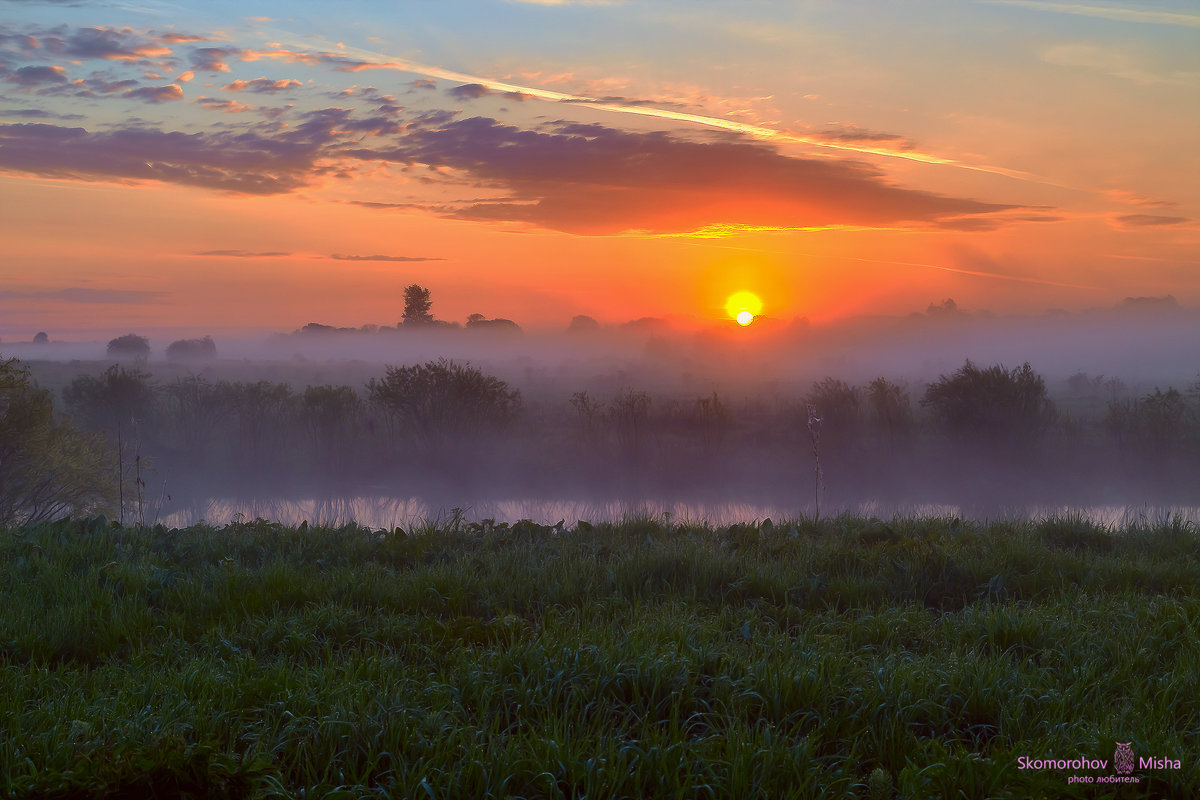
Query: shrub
192 349
440 398
129 347
993 405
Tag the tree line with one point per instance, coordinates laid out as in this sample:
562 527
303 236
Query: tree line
120 437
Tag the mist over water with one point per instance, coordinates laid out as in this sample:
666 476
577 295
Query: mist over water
654 418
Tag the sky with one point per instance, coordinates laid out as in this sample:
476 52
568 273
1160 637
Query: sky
223 166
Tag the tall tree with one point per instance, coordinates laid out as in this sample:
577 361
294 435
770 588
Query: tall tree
417 306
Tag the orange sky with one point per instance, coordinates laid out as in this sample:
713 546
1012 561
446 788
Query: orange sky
209 171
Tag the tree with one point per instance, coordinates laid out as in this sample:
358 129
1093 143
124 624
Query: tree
192 350
582 323
116 400
839 406
441 398
47 469
417 306
41 338
994 406
890 410
498 325
130 347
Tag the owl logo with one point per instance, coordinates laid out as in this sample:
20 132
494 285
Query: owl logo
1123 759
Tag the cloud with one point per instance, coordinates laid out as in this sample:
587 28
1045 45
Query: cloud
1137 199
111 44
83 295
37 76
1114 13
569 2
469 91
1150 220
852 134
225 106
598 180
423 83
36 113
213 59
340 257
247 161
157 94
241 254
263 86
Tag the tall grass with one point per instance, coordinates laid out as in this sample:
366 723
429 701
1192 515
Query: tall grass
840 658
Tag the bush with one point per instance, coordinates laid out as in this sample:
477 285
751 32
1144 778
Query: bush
192 350
130 347
993 406
442 398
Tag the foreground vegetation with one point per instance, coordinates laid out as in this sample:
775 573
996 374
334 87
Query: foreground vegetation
846 658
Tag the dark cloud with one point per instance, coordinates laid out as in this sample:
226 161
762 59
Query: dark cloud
37 76
595 179
852 134
248 161
369 204
469 91
241 254
423 83
36 113
1150 220
84 295
104 85
340 257
212 59
108 43
434 119
156 94
263 86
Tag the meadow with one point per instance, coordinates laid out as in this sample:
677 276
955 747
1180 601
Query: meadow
844 657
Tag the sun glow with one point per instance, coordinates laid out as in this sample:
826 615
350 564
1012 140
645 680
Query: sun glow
743 306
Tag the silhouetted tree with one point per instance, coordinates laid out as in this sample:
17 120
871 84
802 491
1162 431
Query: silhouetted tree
130 347
117 403
192 349
41 338
630 411
194 409
498 325
417 306
891 412
331 414
440 398
113 402
582 323
995 406
840 407
1156 423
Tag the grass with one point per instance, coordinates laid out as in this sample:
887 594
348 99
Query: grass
845 658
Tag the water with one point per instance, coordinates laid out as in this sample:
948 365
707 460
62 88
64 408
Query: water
389 512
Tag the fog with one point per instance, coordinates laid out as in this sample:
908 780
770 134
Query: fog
656 417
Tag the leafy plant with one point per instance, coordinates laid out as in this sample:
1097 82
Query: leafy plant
48 469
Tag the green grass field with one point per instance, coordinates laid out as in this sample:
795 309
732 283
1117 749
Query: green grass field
850 658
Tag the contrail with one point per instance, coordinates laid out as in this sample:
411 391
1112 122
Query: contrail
996 275
374 60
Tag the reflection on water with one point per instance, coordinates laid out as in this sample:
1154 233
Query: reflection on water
406 512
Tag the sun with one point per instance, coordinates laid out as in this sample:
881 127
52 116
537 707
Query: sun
743 306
